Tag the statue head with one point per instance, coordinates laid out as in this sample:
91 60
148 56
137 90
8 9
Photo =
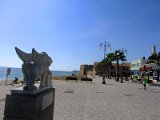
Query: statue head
34 56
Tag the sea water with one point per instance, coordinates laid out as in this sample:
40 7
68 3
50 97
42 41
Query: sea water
17 72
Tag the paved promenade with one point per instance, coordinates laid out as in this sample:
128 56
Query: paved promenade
96 101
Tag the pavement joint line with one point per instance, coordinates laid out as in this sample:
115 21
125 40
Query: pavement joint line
128 95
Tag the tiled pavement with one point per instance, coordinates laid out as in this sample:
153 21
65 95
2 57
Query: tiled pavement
96 101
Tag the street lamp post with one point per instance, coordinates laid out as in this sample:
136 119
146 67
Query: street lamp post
122 71
117 66
104 46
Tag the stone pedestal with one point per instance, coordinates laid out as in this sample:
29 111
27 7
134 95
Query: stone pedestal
30 105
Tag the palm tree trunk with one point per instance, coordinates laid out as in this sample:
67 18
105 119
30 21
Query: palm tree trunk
157 75
107 71
117 71
110 72
103 75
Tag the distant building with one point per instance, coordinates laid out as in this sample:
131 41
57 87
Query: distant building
84 69
95 69
146 67
136 64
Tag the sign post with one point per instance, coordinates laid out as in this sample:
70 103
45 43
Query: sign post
8 73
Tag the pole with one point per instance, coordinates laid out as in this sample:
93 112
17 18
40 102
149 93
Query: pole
104 49
6 80
104 45
8 73
117 70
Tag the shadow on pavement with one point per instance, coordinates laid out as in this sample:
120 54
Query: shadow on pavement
152 91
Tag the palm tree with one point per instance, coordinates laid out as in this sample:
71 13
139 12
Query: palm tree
103 65
109 60
100 68
118 55
153 56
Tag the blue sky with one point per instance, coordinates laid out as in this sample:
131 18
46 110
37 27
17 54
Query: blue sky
70 31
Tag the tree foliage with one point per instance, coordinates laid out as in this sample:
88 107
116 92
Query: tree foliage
155 58
119 55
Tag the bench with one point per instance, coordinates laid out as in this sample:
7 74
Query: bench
71 78
86 79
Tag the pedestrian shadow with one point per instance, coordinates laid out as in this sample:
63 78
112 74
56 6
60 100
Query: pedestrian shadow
152 91
128 95
109 84
140 88
69 91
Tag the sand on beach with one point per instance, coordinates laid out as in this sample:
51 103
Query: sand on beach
9 81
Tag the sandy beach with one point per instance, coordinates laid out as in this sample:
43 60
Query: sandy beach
9 82
2 82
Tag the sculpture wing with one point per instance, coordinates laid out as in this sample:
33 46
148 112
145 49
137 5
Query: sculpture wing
25 57
35 54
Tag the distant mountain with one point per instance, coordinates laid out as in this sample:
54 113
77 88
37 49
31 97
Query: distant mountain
75 71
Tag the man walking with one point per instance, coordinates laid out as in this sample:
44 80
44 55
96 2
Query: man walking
145 81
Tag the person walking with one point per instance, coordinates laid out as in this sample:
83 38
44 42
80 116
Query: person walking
145 81
103 79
